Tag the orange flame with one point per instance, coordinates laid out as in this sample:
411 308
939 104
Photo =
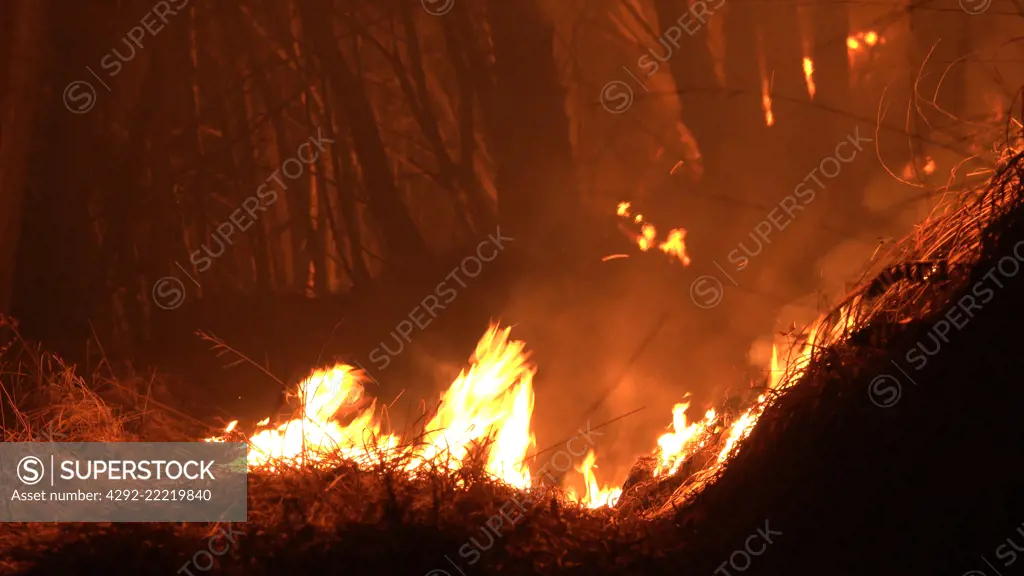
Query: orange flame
676 446
489 406
809 76
674 244
595 496
494 399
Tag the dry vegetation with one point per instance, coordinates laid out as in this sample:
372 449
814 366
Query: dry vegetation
379 519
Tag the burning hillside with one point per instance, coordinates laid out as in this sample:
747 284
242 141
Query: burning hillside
485 413
334 484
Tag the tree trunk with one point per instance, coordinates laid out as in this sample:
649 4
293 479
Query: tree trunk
24 80
405 244
692 68
538 201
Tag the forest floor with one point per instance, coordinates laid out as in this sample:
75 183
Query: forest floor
870 463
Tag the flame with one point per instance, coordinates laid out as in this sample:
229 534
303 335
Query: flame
809 76
676 446
595 496
775 372
648 234
852 43
741 428
614 257
315 436
490 405
674 244
871 38
766 83
486 413
493 400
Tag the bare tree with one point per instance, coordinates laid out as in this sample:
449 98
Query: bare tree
27 66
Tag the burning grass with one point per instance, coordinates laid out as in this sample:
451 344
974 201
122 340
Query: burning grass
405 503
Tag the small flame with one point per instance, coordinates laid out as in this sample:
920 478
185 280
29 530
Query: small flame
929 166
595 496
741 428
647 236
809 76
676 446
674 244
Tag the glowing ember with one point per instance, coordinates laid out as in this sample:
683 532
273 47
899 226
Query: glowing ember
913 168
614 257
809 76
647 237
674 244
860 40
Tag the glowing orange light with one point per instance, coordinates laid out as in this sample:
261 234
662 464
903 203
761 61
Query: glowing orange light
809 76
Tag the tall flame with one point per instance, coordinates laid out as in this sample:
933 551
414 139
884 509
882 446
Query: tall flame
493 401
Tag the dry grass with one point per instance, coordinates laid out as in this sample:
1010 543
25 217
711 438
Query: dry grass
953 238
379 514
